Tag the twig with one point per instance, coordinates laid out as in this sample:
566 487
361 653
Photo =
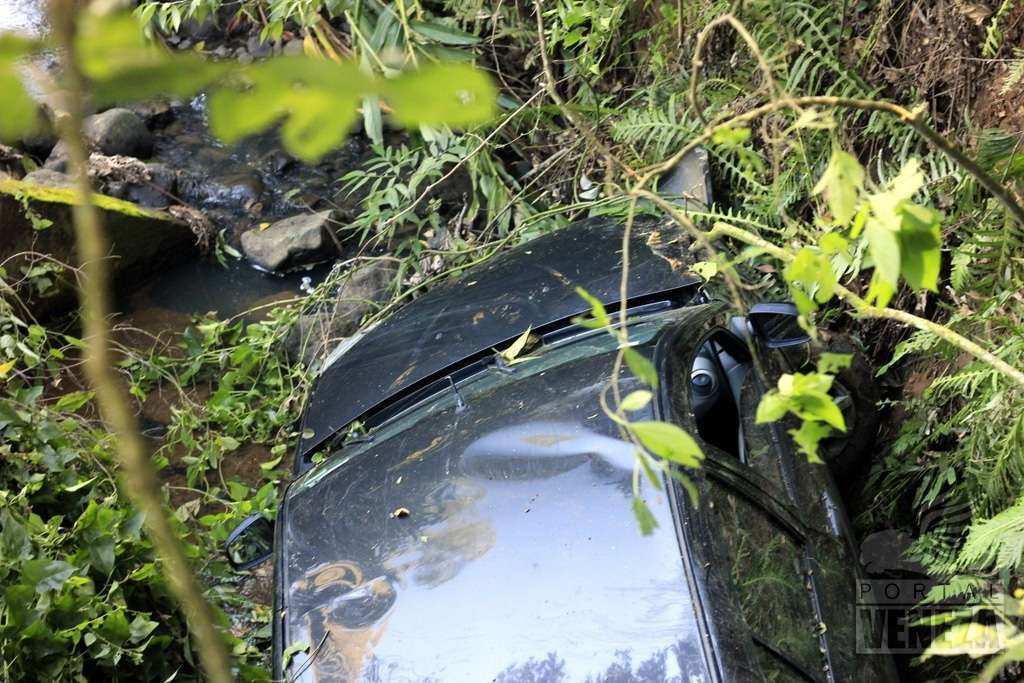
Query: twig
697 64
910 117
430 188
140 481
549 83
863 308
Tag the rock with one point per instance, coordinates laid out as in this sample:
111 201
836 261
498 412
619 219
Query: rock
294 48
12 162
58 159
237 188
141 241
49 177
289 242
257 49
363 291
40 143
159 191
118 132
156 114
150 185
245 58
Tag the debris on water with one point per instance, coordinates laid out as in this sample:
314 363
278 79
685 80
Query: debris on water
306 285
400 513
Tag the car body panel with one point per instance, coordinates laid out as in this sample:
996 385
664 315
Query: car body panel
772 497
489 536
533 285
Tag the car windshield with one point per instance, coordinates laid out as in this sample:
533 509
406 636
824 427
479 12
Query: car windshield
488 535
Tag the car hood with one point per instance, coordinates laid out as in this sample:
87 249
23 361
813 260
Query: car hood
489 535
489 306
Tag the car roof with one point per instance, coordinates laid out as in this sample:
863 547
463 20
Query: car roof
533 285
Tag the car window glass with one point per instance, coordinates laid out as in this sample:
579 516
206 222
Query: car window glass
765 564
761 452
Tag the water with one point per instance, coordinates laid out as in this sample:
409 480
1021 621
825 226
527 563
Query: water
202 286
22 17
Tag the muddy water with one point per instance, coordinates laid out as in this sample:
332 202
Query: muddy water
203 286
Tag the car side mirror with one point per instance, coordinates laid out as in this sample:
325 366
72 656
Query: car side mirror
777 324
251 542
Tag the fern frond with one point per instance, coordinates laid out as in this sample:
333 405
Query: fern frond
995 542
1014 74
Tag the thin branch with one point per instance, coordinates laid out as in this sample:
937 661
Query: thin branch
140 481
698 63
549 83
864 309
913 118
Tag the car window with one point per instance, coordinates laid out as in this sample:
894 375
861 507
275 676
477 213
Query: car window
767 570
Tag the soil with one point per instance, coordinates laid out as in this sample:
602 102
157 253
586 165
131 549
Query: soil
995 108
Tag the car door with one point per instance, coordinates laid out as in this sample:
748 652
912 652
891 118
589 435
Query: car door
768 538
832 548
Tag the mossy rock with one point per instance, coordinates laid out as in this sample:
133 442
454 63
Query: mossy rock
142 241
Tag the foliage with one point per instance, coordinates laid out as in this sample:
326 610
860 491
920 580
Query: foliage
84 594
314 100
852 202
806 395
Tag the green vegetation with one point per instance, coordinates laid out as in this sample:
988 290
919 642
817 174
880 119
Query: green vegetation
836 190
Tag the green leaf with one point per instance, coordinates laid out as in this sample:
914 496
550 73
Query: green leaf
270 464
833 243
643 516
668 441
804 395
730 137
315 98
441 33
841 184
920 246
516 348
140 628
456 95
772 407
640 366
812 405
20 112
115 627
884 247
228 443
46 575
598 314
372 123
807 438
880 291
830 363
706 269
636 400
812 270
972 639
73 401
123 66
293 650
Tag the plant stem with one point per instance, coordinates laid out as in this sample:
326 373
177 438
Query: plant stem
140 480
